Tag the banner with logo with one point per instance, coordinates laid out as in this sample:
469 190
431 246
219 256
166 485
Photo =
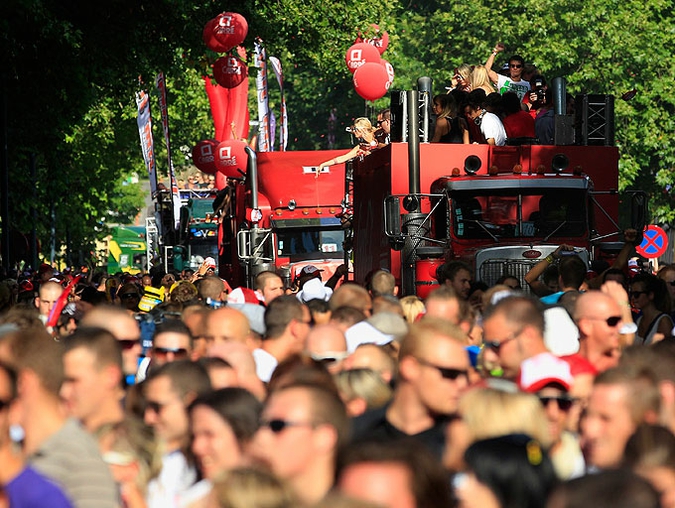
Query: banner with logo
283 131
160 83
265 143
144 121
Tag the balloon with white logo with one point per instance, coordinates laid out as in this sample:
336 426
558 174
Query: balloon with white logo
230 29
231 158
360 54
390 72
229 71
204 156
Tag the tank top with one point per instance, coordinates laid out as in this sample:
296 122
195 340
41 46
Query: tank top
455 133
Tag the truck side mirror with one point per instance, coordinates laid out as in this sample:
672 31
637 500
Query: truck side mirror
392 216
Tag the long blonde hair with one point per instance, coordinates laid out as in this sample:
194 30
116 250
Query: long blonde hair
363 124
481 79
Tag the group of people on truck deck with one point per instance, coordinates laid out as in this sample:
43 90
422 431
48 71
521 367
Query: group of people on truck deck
551 390
512 106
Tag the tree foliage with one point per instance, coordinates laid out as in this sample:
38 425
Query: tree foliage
70 70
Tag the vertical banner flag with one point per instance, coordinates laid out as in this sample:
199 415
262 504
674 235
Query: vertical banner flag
283 131
264 138
145 131
160 83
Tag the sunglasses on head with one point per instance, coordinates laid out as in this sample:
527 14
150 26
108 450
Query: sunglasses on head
564 403
446 372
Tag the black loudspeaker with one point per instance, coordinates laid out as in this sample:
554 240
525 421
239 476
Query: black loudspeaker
595 120
399 116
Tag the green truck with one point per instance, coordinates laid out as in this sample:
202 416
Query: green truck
127 250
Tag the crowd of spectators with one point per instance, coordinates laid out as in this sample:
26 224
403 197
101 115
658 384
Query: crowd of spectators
173 389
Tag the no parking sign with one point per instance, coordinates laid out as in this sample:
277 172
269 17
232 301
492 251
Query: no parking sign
654 242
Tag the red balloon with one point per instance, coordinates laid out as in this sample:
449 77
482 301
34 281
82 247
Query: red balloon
360 54
230 29
371 81
229 71
204 156
380 41
210 38
390 71
231 158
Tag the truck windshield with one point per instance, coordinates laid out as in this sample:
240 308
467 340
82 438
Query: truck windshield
303 244
515 213
200 250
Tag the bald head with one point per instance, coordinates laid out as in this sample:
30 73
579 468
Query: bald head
595 304
324 339
241 360
351 295
598 318
48 296
211 287
123 327
373 357
227 324
114 319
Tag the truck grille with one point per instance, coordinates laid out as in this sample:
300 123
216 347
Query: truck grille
491 270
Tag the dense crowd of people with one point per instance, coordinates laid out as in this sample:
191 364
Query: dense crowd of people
169 389
173 389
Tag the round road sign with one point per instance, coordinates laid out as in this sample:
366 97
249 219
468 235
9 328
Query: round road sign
654 243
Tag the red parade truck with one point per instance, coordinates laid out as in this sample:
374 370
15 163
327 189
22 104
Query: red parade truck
280 217
500 209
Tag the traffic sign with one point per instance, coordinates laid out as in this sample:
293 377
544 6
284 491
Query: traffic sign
654 242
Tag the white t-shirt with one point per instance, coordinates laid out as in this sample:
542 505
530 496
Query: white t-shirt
265 364
491 127
505 84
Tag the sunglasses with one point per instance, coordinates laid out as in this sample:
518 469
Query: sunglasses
178 352
564 403
329 357
636 294
127 344
277 425
515 66
446 372
497 345
129 296
611 321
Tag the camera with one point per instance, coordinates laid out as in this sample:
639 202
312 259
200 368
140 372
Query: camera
539 89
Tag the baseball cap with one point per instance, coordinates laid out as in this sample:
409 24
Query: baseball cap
309 270
254 313
543 370
365 333
313 290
